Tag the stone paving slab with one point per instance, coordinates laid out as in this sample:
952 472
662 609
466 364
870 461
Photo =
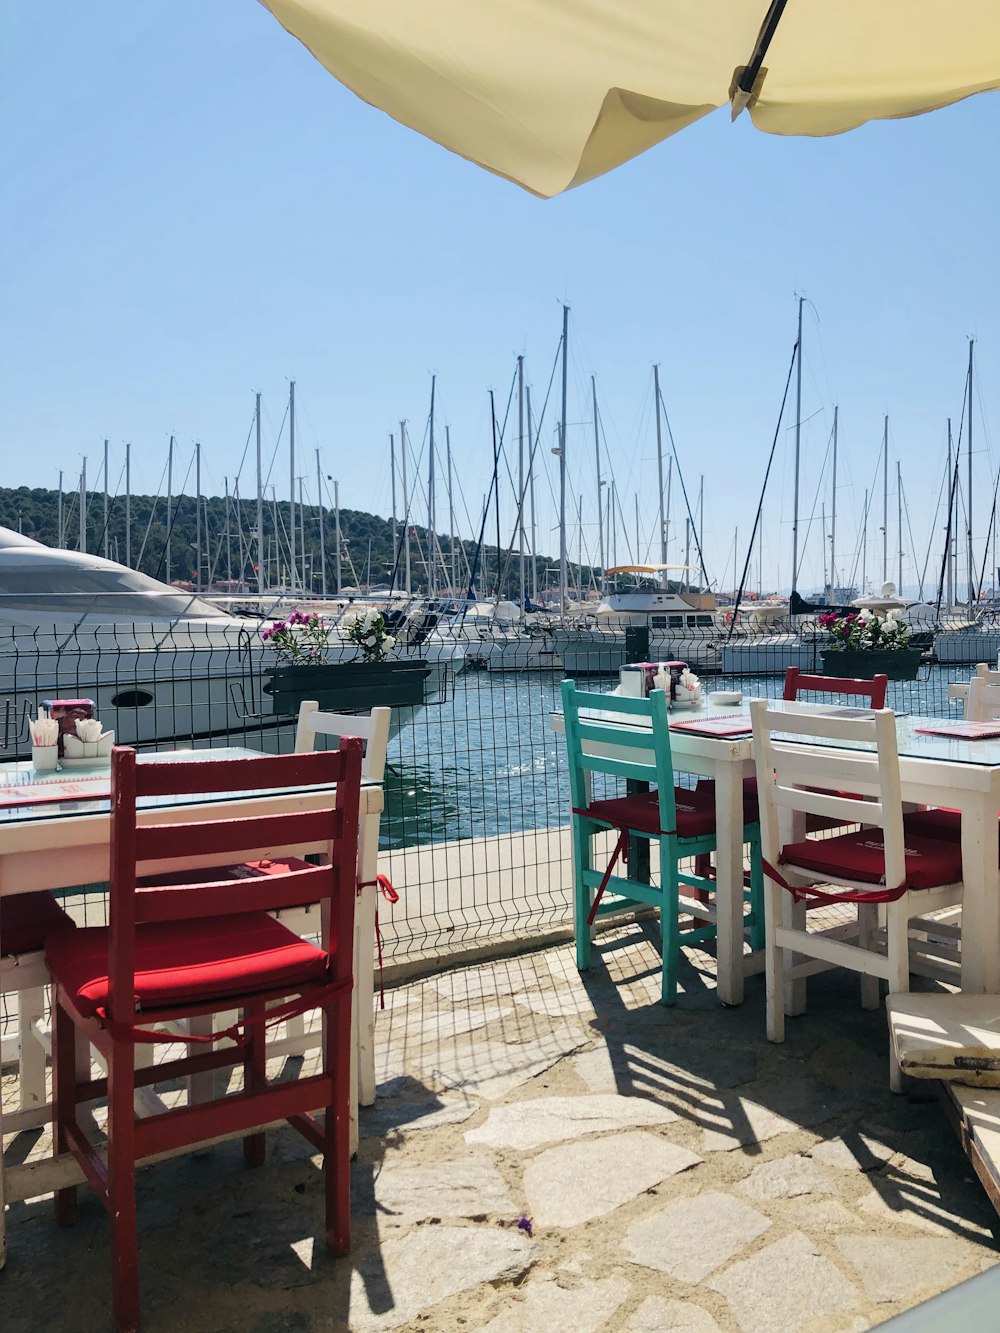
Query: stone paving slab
671 1172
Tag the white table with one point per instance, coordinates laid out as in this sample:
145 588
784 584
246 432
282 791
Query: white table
62 845
934 770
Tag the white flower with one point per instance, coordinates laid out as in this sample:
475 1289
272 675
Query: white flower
864 615
389 642
895 614
351 620
371 641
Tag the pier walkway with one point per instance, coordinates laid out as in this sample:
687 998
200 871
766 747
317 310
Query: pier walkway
680 1175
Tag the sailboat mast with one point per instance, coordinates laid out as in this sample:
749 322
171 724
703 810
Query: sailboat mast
104 535
451 515
229 545
128 504
968 508
659 472
197 511
833 507
291 483
336 537
613 502
885 499
392 477
431 541
949 562
260 507
520 483
600 483
864 545
322 533
406 512
170 500
562 470
798 451
59 513
83 506
531 490
899 524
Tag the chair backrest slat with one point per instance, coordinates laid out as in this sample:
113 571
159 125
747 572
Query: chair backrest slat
223 837
225 897
797 680
178 777
787 770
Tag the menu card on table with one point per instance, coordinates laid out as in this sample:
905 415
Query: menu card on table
27 788
737 725
965 731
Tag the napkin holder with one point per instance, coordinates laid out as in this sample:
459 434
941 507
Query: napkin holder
92 753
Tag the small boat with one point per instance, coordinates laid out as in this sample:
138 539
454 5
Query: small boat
682 624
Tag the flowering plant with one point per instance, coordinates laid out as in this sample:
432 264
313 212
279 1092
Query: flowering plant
300 638
367 630
866 631
306 638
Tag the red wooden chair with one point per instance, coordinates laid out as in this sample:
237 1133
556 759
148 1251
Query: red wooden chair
797 681
177 951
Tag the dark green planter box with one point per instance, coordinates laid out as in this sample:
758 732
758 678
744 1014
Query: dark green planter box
847 664
341 686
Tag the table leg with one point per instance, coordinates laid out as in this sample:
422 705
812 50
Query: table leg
729 882
792 828
980 899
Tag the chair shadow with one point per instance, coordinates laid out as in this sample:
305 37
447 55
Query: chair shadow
714 1068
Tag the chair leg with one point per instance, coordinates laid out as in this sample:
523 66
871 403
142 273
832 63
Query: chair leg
121 1187
670 925
774 963
897 934
757 932
337 1129
867 926
581 895
895 1072
64 1065
30 1052
795 916
255 1079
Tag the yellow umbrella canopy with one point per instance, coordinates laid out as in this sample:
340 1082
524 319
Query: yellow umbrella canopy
551 93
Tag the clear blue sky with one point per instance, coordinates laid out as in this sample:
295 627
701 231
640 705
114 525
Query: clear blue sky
195 210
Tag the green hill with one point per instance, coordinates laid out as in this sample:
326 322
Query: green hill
229 543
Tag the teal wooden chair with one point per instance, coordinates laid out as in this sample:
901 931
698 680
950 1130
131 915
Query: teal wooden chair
628 738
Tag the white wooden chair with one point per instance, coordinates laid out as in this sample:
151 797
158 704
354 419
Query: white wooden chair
25 920
373 728
877 868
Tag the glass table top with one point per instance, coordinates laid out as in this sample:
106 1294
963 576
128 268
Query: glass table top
87 790
913 741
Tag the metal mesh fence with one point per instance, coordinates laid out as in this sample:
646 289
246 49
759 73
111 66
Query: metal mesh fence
475 832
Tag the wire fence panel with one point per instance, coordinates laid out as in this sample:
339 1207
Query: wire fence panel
475 832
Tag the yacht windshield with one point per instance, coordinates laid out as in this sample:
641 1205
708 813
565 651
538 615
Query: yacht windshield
115 592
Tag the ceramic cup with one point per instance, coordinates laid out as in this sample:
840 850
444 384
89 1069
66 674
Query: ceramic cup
44 758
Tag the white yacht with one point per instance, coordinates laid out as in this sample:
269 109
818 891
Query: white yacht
161 664
682 625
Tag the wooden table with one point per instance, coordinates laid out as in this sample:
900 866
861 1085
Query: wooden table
62 845
934 771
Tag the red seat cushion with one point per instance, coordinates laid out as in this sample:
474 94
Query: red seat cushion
860 856
641 811
25 920
751 809
934 824
182 962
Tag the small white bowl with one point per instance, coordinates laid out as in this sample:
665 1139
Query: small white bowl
726 697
